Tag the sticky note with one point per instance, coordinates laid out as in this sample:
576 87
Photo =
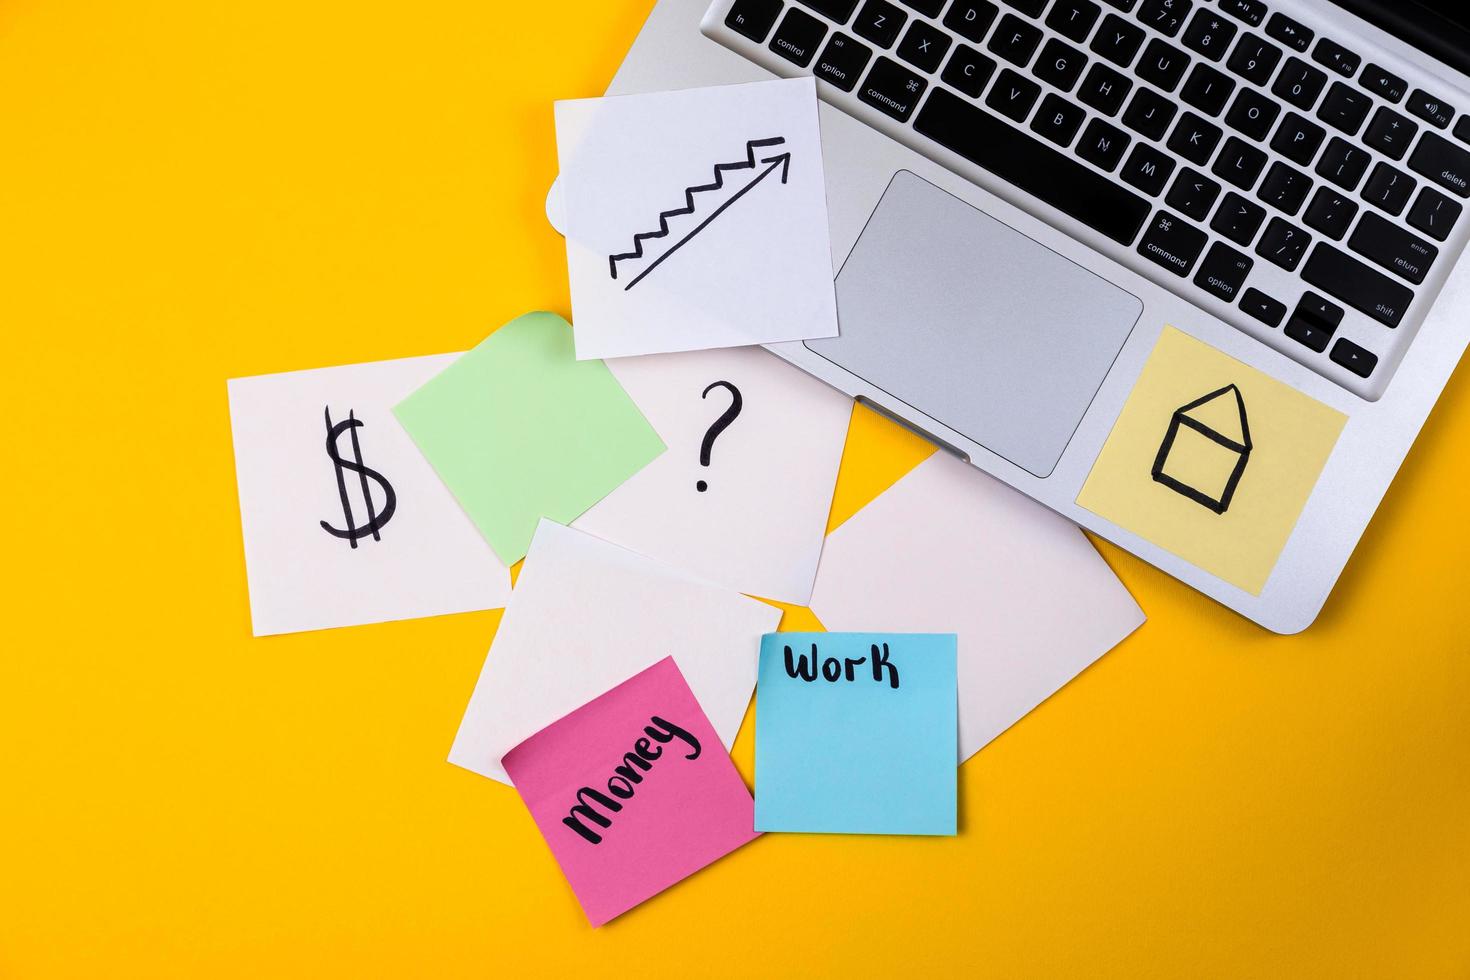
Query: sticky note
741 497
584 615
1212 460
855 733
950 548
344 523
632 791
696 219
518 429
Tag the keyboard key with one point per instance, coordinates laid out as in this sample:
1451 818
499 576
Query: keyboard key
1250 11
1343 163
1104 89
1209 35
1254 59
1072 19
1033 167
1312 333
1283 243
1383 84
1297 139
1354 358
842 61
1442 162
879 22
1358 285
970 18
1381 241
1330 213
1462 129
753 18
1223 271
1390 133
1015 40
1239 163
1316 308
1103 144
1388 189
1336 57
929 8
1162 64
1252 114
924 46
1013 95
1345 108
838 10
1299 83
1194 139
1165 16
1430 108
1031 8
1257 304
1238 219
968 70
797 38
1284 188
1117 40
893 89
1058 120
1289 32
1434 214
1060 65
1123 5
1207 89
1172 242
1148 169
1192 194
1149 114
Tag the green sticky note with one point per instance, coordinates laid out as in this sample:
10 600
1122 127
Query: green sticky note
519 429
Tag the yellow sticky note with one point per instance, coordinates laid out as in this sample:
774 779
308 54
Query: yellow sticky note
1212 460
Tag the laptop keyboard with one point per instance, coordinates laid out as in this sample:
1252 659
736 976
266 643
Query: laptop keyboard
1270 174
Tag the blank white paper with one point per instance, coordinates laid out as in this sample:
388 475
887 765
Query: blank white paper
586 615
948 549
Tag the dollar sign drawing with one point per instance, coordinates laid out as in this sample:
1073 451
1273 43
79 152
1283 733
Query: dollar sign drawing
375 519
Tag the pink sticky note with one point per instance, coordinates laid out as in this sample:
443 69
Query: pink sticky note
633 791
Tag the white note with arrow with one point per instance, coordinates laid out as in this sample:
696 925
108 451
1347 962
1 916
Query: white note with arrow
696 219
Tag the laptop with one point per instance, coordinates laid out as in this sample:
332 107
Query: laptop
1030 200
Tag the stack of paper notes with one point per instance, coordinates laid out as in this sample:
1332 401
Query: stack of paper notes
660 475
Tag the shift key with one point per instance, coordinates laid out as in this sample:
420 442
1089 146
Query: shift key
1442 162
1356 284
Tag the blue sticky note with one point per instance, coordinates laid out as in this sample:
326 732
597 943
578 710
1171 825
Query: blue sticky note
856 733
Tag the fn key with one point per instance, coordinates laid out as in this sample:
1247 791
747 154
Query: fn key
892 88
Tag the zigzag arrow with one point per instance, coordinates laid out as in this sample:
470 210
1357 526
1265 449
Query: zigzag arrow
782 160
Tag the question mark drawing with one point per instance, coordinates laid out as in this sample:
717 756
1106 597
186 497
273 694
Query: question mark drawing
719 425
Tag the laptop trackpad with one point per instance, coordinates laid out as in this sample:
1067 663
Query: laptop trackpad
976 325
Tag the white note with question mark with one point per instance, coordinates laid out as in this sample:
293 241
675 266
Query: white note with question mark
741 496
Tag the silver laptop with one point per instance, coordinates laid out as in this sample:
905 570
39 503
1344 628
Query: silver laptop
1025 194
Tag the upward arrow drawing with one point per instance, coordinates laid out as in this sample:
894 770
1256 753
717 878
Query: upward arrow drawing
781 160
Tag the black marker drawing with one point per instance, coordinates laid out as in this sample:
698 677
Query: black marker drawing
582 816
1234 444
782 160
376 517
719 425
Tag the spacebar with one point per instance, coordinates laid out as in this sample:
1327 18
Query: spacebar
1032 166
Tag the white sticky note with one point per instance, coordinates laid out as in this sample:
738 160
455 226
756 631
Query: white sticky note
753 518
695 219
372 538
587 615
948 549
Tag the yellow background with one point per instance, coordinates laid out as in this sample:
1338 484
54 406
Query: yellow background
1292 436
194 191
